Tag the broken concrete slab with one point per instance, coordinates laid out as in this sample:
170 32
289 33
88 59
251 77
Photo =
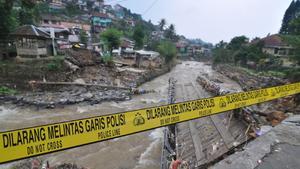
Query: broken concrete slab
253 155
282 156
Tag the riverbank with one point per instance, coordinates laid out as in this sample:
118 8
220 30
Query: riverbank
273 111
119 81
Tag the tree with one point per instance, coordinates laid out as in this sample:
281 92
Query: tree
287 18
221 44
221 54
152 44
289 15
240 56
27 15
83 37
41 8
138 36
168 50
111 38
170 32
162 24
294 26
8 18
72 10
294 41
237 42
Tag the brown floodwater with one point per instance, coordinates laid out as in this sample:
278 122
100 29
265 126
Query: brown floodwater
138 151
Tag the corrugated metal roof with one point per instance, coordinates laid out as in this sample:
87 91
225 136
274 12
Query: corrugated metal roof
30 31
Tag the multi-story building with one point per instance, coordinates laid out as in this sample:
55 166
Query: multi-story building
100 21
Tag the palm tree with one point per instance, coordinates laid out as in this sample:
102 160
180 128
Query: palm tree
172 28
170 32
162 24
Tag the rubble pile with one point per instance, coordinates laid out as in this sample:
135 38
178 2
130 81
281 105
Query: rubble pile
271 113
39 164
250 81
25 164
51 96
98 74
209 86
67 96
68 166
82 57
246 80
115 76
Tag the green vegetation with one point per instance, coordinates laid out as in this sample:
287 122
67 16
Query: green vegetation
107 59
83 37
275 73
290 31
72 10
222 55
138 36
26 12
289 22
111 38
240 52
56 64
293 40
294 26
8 18
168 50
250 55
123 27
162 24
7 91
170 33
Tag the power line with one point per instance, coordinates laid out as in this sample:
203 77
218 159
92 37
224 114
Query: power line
150 7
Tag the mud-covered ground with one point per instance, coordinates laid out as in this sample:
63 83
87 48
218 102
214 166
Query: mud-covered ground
51 96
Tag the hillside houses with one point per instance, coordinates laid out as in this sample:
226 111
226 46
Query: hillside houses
187 49
66 31
119 11
53 21
56 5
100 21
88 23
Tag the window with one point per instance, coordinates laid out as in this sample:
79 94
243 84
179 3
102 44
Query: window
46 21
282 52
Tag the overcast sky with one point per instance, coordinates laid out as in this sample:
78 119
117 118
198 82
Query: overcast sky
214 20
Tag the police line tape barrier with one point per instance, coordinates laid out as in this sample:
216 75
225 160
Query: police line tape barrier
33 141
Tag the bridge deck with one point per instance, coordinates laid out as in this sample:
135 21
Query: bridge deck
203 140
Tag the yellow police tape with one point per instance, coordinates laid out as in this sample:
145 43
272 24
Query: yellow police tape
24 143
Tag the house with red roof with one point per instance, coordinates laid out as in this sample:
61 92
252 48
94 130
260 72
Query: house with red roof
276 46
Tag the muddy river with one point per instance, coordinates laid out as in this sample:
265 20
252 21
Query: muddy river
138 151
